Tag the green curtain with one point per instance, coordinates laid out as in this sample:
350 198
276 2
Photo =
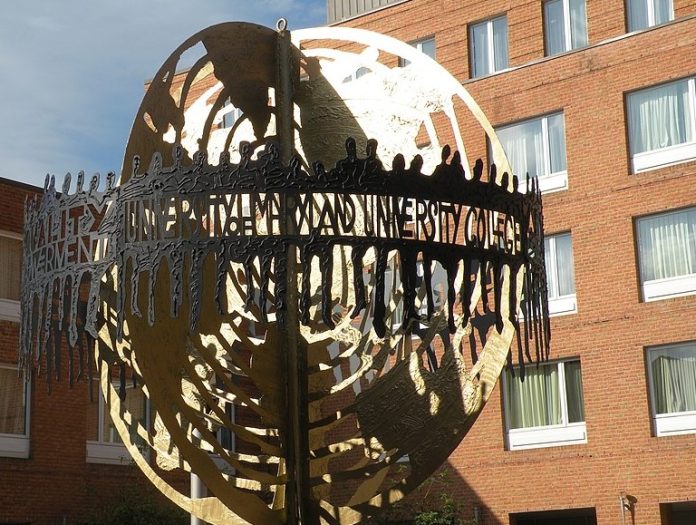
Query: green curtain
11 402
534 402
573 384
674 380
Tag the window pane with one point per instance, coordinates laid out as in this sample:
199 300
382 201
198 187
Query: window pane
667 245
535 402
554 28
557 146
479 41
564 265
500 43
523 146
637 14
574 397
658 116
663 11
428 47
550 263
674 379
578 23
135 404
12 409
11 264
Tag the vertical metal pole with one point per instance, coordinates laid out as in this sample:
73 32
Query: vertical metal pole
297 454
198 490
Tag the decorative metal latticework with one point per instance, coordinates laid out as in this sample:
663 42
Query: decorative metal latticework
297 327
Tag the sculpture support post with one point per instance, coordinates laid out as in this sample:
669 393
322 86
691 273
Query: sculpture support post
297 489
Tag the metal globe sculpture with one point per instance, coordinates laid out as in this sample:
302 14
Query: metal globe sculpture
293 293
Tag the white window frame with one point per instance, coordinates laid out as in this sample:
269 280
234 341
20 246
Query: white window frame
229 111
418 44
104 452
675 423
9 308
18 445
651 13
355 75
667 288
491 46
561 304
548 182
568 40
671 155
549 435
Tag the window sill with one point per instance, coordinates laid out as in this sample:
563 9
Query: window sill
659 289
548 183
107 453
661 158
14 446
559 306
564 305
551 436
675 424
9 310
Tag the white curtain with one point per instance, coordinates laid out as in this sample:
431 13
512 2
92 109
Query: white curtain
557 145
667 245
578 24
674 380
11 402
535 402
479 39
564 265
560 272
523 145
663 11
500 43
658 117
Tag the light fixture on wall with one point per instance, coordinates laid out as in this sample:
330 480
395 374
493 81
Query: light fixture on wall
628 503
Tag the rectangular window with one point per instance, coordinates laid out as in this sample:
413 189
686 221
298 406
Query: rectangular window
14 413
662 124
547 409
230 114
104 444
560 274
672 378
425 46
647 13
10 277
488 42
556 517
537 147
667 254
565 25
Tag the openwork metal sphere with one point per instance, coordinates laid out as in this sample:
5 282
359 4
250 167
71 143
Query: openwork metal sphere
294 298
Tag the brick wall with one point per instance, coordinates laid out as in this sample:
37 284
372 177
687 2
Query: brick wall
55 483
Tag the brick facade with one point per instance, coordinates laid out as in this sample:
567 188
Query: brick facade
609 333
612 326
55 484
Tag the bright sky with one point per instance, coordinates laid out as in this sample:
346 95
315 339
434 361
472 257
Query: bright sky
72 72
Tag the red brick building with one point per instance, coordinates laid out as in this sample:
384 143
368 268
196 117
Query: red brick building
597 99
59 459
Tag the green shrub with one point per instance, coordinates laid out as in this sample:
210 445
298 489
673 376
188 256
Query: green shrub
135 508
